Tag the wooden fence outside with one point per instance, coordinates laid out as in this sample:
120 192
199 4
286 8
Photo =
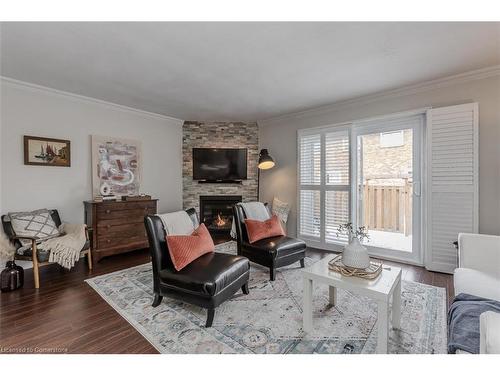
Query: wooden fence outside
388 208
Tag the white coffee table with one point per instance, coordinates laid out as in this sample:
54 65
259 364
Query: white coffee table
387 285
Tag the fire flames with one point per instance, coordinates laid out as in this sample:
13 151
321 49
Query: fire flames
219 221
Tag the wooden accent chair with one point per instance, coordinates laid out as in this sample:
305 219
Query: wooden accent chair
42 259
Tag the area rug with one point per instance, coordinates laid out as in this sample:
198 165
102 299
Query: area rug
269 319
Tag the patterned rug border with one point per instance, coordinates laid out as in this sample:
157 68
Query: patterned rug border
144 333
122 312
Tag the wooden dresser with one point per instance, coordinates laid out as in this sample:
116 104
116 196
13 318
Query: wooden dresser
117 227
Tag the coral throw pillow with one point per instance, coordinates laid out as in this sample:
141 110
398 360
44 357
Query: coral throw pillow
258 230
184 249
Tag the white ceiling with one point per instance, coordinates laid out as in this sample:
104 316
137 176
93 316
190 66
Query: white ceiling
240 71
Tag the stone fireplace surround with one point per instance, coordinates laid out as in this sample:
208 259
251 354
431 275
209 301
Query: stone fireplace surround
219 135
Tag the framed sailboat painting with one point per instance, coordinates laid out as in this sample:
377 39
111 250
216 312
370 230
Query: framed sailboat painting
47 151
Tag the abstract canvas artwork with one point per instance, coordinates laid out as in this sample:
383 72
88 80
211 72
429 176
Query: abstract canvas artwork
47 151
116 166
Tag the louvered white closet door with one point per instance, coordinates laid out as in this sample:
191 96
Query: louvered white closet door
452 182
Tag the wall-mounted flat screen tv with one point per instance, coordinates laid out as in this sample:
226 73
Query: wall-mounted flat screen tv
220 164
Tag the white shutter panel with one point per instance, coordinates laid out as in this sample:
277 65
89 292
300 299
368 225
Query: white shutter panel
310 159
337 158
452 182
310 180
337 181
310 211
336 213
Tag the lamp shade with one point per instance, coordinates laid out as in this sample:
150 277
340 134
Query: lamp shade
265 160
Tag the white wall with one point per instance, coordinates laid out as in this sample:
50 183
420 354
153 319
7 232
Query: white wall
280 137
28 110
1 131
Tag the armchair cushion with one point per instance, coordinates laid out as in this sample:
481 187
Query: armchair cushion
206 276
278 246
480 252
476 283
43 255
26 251
258 230
490 333
184 249
37 223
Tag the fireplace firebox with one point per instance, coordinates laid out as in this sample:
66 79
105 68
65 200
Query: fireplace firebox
216 211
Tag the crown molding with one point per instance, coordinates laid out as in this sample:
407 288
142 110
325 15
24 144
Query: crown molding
473 75
35 87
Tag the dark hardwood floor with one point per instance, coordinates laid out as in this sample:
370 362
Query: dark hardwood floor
66 315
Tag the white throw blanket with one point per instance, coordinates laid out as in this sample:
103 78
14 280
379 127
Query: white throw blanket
7 250
254 211
65 250
177 223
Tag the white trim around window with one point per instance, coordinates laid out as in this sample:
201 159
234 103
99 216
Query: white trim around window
416 123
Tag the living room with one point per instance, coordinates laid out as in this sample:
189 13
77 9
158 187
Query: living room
250 188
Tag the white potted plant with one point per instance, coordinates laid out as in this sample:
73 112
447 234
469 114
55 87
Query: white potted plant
355 255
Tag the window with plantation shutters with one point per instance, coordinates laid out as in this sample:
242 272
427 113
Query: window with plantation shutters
452 182
324 183
420 197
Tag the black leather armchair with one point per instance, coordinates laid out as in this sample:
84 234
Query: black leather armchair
271 252
206 282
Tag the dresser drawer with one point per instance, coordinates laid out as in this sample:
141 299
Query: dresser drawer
123 230
139 241
120 206
125 215
120 234
137 220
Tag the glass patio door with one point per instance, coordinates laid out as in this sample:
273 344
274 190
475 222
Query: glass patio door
386 196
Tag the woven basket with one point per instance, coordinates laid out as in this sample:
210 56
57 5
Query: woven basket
370 273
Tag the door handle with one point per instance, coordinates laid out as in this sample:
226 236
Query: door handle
416 188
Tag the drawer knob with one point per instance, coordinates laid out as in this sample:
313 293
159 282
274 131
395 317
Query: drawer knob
108 241
108 226
108 211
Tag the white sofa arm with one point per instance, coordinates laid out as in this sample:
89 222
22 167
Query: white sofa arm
489 327
479 252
